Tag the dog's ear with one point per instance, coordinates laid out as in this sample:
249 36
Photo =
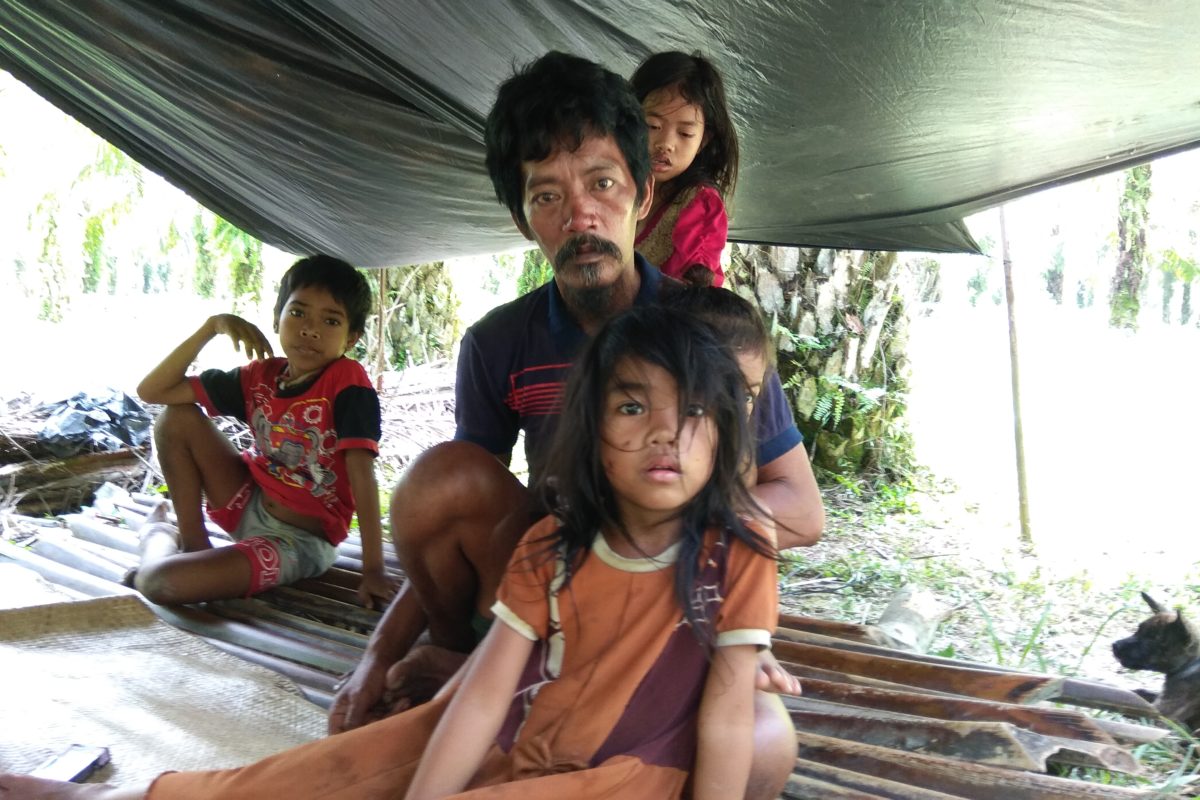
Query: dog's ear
1179 617
1154 606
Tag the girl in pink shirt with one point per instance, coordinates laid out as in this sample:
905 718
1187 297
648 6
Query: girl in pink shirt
694 160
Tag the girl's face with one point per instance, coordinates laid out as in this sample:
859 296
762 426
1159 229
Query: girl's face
677 133
655 461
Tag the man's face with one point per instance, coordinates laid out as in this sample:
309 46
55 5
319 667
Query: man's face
582 210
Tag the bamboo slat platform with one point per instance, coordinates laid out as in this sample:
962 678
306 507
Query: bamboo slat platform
873 722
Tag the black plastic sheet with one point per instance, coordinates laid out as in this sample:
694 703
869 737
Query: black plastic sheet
105 421
355 127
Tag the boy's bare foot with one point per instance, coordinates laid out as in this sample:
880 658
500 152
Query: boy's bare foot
157 533
416 678
24 787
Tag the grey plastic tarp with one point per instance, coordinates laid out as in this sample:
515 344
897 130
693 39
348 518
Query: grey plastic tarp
354 127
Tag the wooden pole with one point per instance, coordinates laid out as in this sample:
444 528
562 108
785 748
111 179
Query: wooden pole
1018 429
381 360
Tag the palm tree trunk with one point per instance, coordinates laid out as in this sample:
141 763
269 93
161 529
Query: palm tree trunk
1132 222
839 319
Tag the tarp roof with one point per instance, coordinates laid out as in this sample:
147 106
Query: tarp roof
354 128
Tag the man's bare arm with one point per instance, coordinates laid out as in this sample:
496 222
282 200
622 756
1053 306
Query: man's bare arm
788 488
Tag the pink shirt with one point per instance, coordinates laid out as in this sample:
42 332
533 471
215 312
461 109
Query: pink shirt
697 236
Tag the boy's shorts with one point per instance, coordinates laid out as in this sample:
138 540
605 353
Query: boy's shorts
278 552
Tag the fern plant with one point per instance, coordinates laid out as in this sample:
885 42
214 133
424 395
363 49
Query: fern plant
834 393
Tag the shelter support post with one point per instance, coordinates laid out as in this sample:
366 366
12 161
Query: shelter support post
1018 429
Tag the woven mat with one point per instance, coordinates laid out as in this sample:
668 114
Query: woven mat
108 672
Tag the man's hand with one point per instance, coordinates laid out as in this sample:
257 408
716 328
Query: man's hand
358 700
376 585
771 677
245 335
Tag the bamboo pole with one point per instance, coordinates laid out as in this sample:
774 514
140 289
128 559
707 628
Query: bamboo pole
1046 720
74 579
1018 426
69 554
954 777
264 637
381 347
96 531
302 675
248 609
298 602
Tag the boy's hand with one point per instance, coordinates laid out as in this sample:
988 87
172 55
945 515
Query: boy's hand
245 335
375 584
771 677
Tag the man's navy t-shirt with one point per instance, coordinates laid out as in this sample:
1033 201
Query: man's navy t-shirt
513 366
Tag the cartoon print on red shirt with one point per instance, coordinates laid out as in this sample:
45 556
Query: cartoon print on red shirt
299 435
297 456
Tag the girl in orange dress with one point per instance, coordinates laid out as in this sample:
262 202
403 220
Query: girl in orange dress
622 662
694 160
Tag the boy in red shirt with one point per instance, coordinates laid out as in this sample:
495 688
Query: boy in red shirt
288 499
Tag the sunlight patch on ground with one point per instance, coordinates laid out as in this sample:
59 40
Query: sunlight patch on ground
1111 443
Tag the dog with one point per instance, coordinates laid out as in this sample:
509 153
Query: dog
1169 643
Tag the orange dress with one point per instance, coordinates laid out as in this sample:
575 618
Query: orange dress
605 708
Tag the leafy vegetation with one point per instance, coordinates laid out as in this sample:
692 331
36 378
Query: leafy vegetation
243 253
91 240
535 271
1053 274
1178 269
421 312
839 320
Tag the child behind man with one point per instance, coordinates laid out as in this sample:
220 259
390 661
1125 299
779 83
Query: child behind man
288 499
694 160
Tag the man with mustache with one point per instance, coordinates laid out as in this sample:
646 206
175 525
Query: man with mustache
568 154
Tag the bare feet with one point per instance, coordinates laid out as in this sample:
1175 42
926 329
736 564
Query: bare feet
416 678
159 542
158 539
24 787
157 533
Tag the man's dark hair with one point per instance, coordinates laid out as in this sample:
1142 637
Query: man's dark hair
557 101
345 283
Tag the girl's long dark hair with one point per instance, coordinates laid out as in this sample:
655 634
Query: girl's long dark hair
706 372
699 83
